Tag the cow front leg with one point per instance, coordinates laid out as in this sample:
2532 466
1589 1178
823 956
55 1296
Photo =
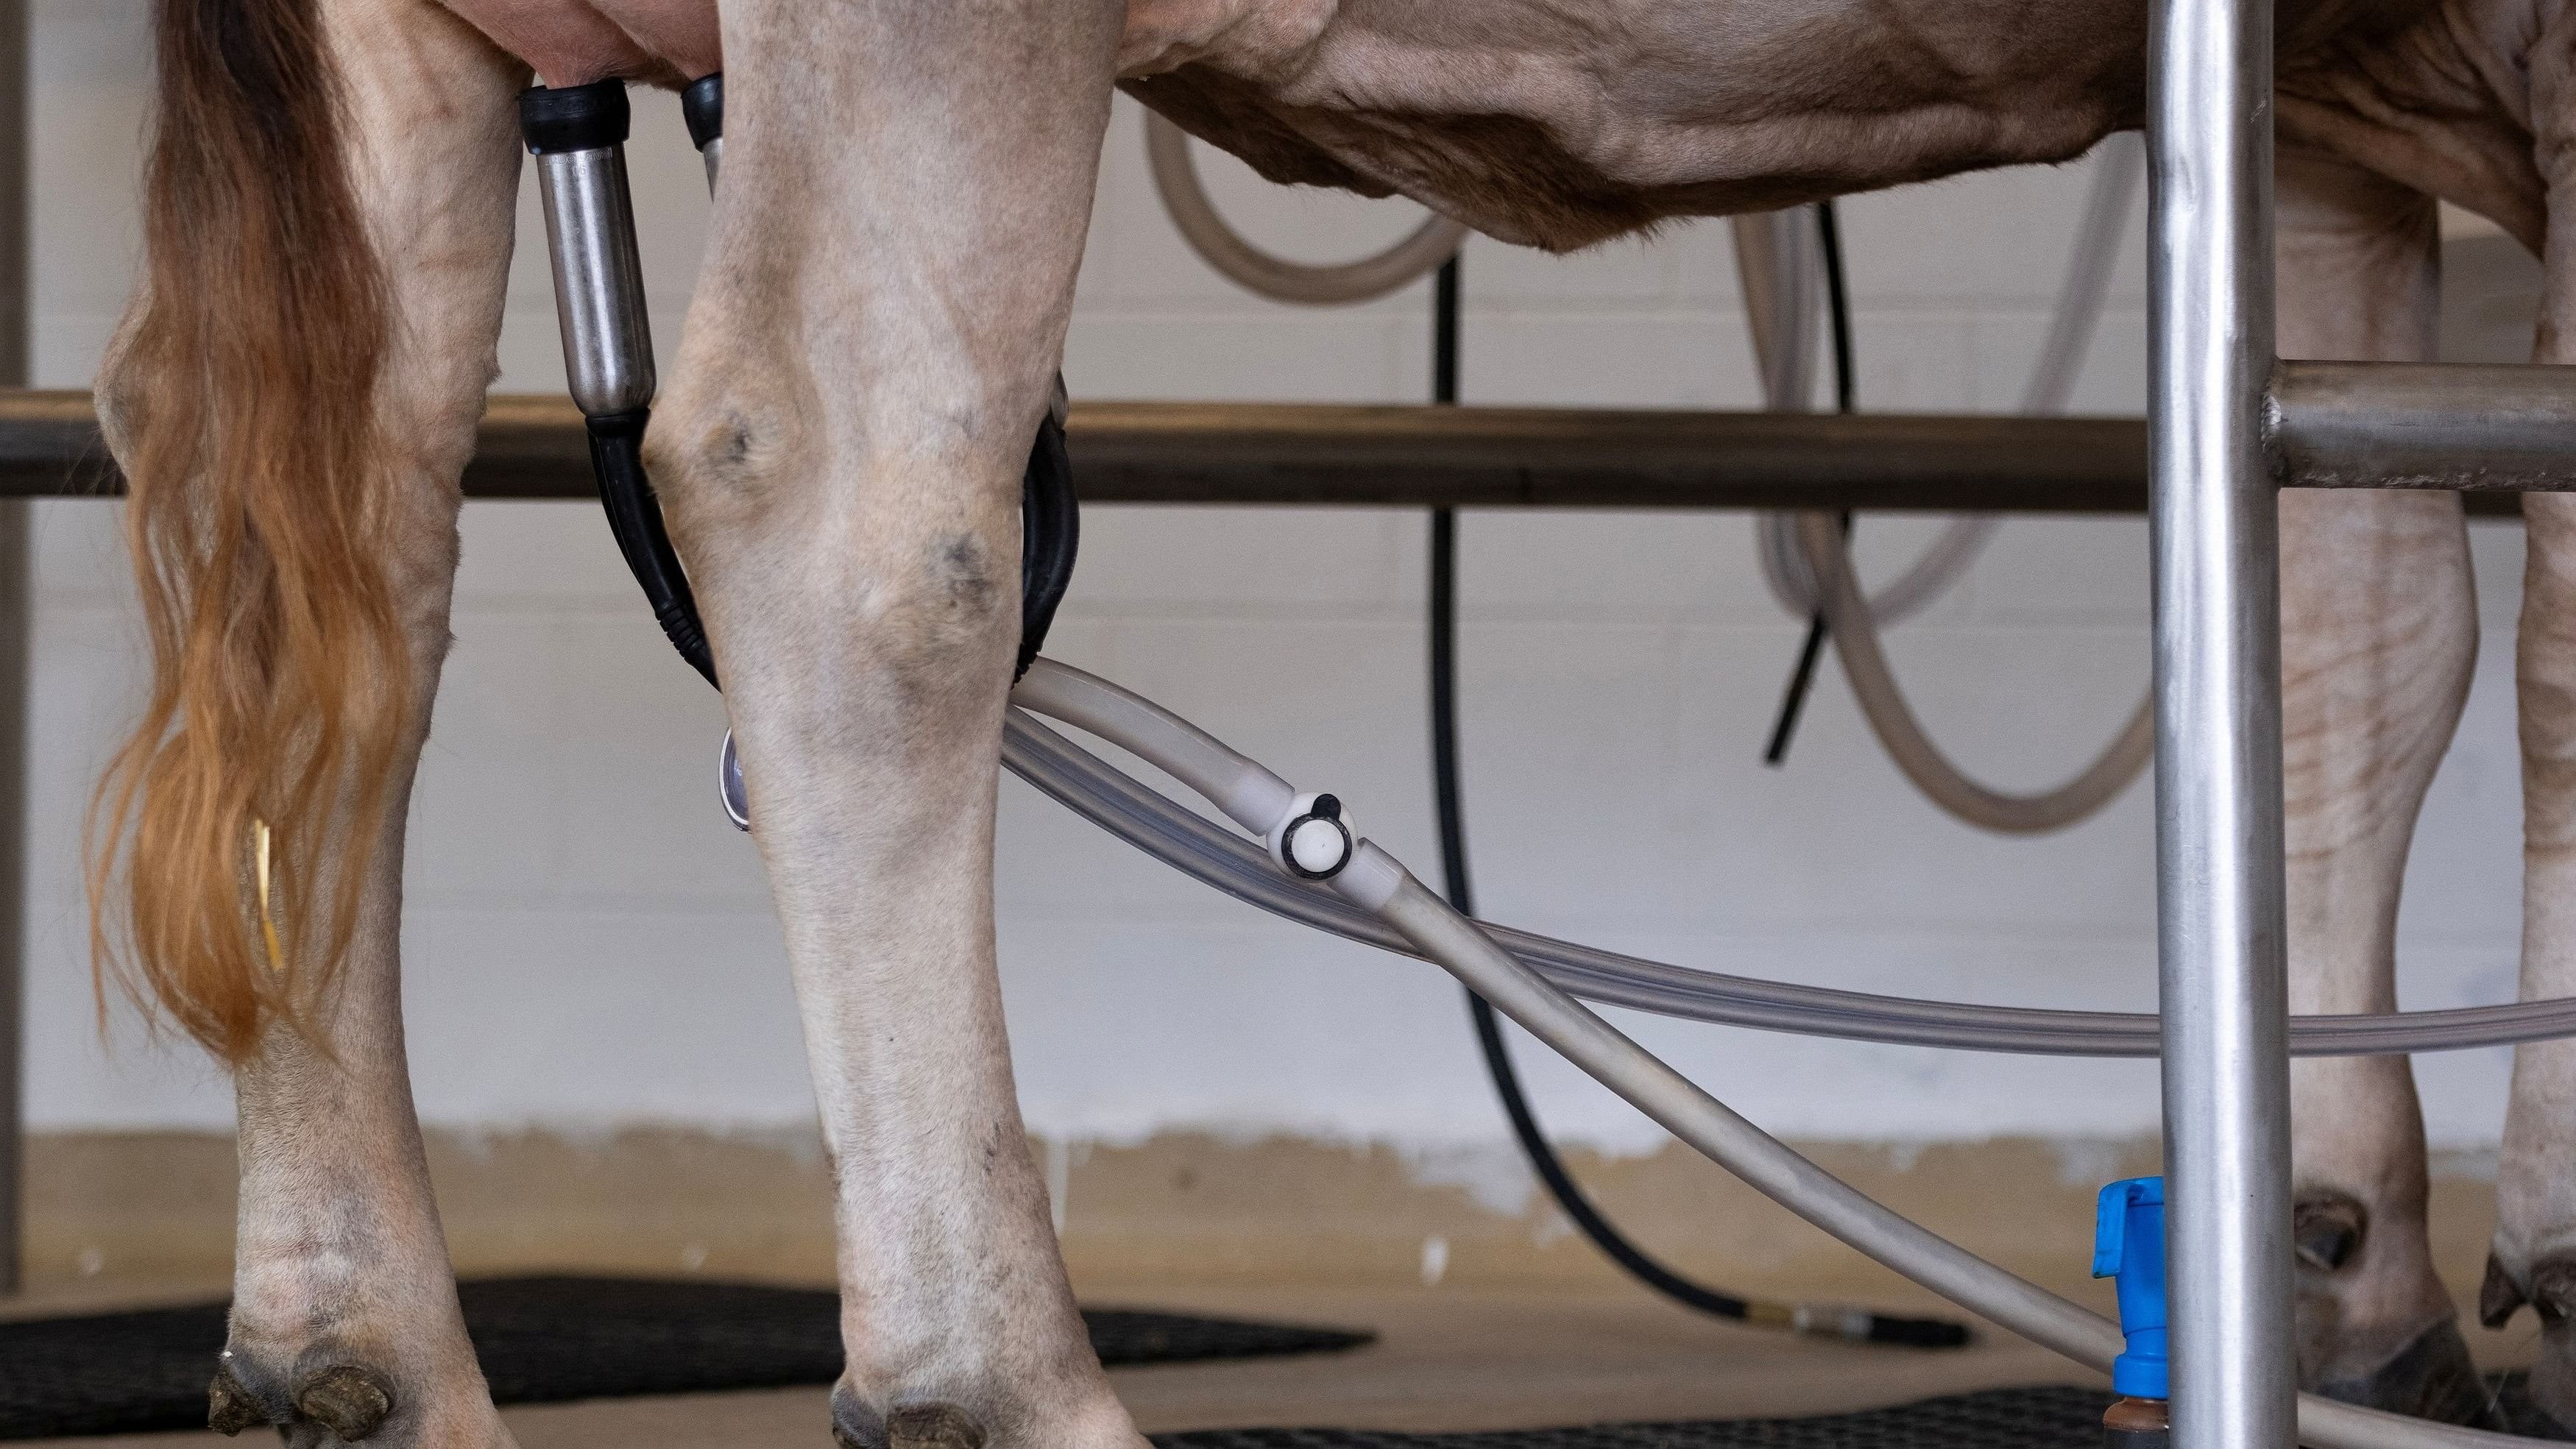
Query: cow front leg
2379 631
871 349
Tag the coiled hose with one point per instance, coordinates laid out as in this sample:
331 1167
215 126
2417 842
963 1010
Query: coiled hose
1176 178
1808 565
1448 799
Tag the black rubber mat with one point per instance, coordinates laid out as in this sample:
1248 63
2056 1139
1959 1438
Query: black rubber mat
2037 1418
543 1340
2514 1408
2032 1418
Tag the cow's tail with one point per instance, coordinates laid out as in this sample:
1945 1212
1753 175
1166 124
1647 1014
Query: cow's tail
229 839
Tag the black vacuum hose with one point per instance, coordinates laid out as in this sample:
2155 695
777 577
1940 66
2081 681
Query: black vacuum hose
1561 1186
635 520
1793 701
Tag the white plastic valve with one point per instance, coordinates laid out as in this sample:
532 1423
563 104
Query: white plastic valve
1314 840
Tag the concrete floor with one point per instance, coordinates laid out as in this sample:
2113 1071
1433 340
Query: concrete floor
1444 1359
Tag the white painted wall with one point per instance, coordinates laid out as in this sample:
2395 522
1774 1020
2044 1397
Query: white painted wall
589 943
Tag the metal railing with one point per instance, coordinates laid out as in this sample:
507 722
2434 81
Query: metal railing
2491 429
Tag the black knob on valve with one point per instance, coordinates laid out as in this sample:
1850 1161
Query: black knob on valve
1316 842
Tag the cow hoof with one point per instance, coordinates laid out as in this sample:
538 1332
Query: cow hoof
2551 1292
2553 1370
914 1426
933 1426
2430 1378
2498 1296
349 1401
229 1407
2326 1231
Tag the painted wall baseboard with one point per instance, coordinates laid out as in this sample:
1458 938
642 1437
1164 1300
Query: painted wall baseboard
1178 1207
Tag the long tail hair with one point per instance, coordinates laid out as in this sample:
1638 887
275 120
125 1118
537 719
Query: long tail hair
241 401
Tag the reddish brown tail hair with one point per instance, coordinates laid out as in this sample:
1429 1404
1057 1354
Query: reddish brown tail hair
242 404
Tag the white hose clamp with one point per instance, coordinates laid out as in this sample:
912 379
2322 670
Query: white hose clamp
1314 840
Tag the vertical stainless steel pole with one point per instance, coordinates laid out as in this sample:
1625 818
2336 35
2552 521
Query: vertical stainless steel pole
2215 523
16 600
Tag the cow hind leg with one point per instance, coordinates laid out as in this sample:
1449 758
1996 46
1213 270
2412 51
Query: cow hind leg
2533 1256
872 346
2378 636
345 1325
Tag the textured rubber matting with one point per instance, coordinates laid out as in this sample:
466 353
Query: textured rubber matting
550 1339
2037 1418
542 1340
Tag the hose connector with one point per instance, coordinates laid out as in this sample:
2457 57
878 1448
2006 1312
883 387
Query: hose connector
2129 1245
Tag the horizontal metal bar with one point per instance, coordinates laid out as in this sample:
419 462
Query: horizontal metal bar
1569 458
2411 425
50 447
1265 453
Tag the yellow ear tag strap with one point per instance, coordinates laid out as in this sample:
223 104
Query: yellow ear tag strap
267 919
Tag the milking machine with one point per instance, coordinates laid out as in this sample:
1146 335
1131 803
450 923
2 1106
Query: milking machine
1790 265
1492 1042
1302 856
1790 268
1806 557
578 135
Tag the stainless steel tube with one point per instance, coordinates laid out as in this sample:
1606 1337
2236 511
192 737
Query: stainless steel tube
17 622
2213 518
1373 456
2422 425
599 280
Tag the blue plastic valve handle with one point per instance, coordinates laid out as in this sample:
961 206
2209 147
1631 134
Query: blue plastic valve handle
2129 1245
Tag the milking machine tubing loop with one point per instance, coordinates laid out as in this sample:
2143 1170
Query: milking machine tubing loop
1448 803
578 135
2214 519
